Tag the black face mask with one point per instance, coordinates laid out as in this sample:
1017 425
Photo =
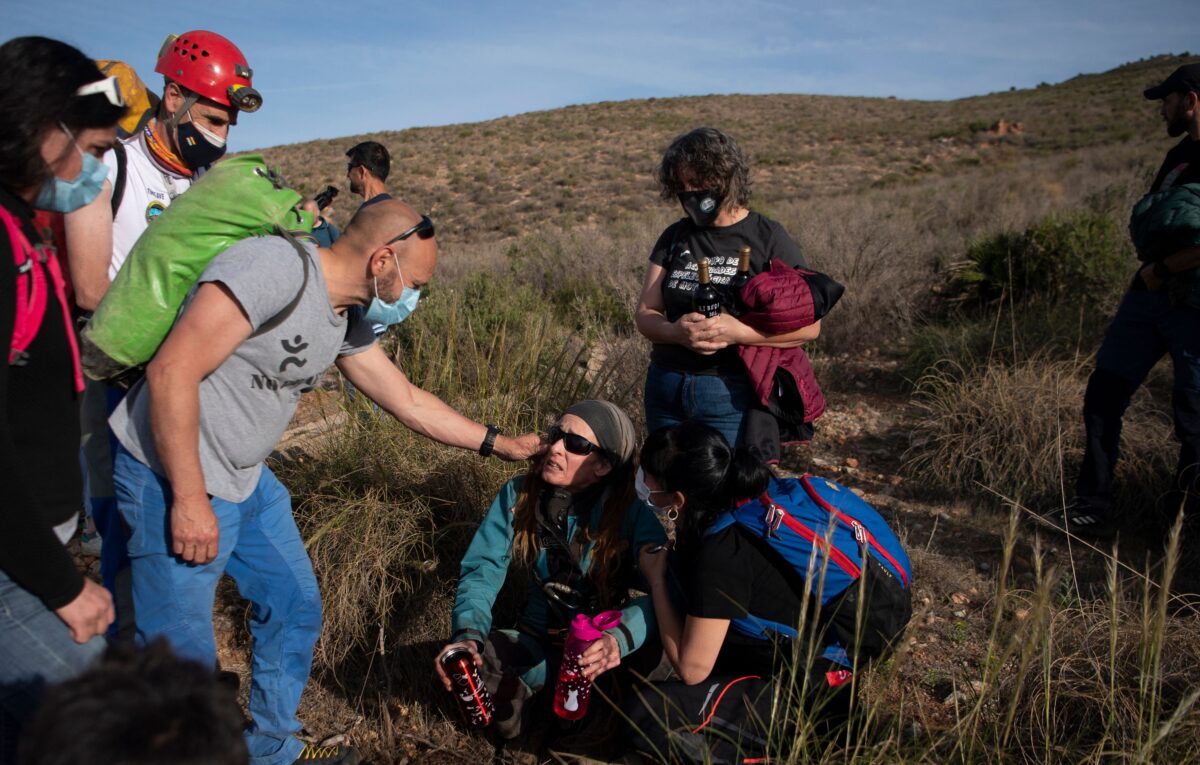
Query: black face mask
701 206
195 149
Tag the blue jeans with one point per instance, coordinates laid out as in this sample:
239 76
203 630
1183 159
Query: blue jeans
36 649
1146 328
719 401
260 547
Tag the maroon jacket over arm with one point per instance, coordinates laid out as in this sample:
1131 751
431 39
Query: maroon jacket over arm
780 300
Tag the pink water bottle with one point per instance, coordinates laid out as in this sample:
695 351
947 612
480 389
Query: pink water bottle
573 690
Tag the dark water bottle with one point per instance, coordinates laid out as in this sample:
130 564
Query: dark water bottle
705 300
573 690
468 689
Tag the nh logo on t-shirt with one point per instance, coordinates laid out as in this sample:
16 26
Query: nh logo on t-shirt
266 382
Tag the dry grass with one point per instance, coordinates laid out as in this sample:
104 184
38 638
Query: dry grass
1017 430
1059 680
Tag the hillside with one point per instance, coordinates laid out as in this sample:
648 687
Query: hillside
593 164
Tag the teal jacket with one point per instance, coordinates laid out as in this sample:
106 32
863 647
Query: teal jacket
1166 221
485 567
1163 223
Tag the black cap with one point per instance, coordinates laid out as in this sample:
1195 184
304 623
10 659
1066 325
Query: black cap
1183 79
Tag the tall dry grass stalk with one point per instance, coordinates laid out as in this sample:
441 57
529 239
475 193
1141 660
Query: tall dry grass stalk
1064 682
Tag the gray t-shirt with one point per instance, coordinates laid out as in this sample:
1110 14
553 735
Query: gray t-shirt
247 402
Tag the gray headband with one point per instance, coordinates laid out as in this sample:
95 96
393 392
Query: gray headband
611 426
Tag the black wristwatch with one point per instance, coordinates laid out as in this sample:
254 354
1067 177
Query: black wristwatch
1160 270
489 441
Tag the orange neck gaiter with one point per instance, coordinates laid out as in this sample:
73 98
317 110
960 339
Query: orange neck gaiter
162 152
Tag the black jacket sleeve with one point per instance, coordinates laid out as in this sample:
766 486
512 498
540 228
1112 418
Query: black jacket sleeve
30 552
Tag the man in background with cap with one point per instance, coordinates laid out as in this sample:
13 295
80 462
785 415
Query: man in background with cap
1149 323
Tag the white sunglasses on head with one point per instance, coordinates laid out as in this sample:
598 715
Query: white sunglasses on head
108 86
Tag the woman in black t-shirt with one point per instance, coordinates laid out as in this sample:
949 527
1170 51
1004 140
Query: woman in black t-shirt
735 693
695 372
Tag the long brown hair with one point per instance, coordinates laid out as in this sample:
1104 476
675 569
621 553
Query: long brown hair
606 555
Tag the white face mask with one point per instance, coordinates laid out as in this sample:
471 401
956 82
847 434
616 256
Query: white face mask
644 492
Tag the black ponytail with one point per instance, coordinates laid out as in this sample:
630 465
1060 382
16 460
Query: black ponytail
696 460
746 478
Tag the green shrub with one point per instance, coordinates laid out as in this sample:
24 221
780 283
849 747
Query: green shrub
577 281
1078 256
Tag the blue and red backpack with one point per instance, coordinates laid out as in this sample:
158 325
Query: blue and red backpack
843 550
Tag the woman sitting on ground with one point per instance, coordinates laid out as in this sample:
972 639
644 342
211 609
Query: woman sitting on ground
575 520
690 474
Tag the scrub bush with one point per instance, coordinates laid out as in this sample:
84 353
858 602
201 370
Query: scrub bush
1080 256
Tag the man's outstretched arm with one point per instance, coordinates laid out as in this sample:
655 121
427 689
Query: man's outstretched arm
373 373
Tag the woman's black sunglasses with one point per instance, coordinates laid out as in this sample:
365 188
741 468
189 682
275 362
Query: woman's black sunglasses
572 442
423 230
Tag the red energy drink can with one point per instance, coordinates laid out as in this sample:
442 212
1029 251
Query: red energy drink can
468 689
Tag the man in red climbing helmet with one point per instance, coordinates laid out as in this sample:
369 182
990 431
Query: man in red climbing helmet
207 81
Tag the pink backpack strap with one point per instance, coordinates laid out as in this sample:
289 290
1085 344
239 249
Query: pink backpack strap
32 294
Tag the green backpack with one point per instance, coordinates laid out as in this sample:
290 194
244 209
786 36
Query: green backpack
237 199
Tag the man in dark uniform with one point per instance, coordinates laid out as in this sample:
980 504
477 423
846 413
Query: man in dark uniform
1147 325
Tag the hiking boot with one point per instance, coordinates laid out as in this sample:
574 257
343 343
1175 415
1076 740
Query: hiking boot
339 754
1079 518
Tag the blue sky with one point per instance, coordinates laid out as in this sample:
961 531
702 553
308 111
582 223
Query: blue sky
329 69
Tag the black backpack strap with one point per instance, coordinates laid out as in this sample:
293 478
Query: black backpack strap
283 315
118 189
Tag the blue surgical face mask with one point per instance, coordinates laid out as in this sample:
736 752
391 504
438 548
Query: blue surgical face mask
644 491
58 195
387 314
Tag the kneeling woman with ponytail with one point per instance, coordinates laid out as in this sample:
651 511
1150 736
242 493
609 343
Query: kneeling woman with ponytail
575 521
754 646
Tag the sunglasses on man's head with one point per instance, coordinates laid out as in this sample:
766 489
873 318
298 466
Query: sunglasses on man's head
423 230
572 442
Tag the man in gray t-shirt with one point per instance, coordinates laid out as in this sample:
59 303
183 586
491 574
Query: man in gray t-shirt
263 323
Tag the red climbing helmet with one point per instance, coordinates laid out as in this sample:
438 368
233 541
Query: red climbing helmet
211 66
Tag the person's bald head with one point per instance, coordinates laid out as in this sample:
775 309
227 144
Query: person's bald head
372 234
